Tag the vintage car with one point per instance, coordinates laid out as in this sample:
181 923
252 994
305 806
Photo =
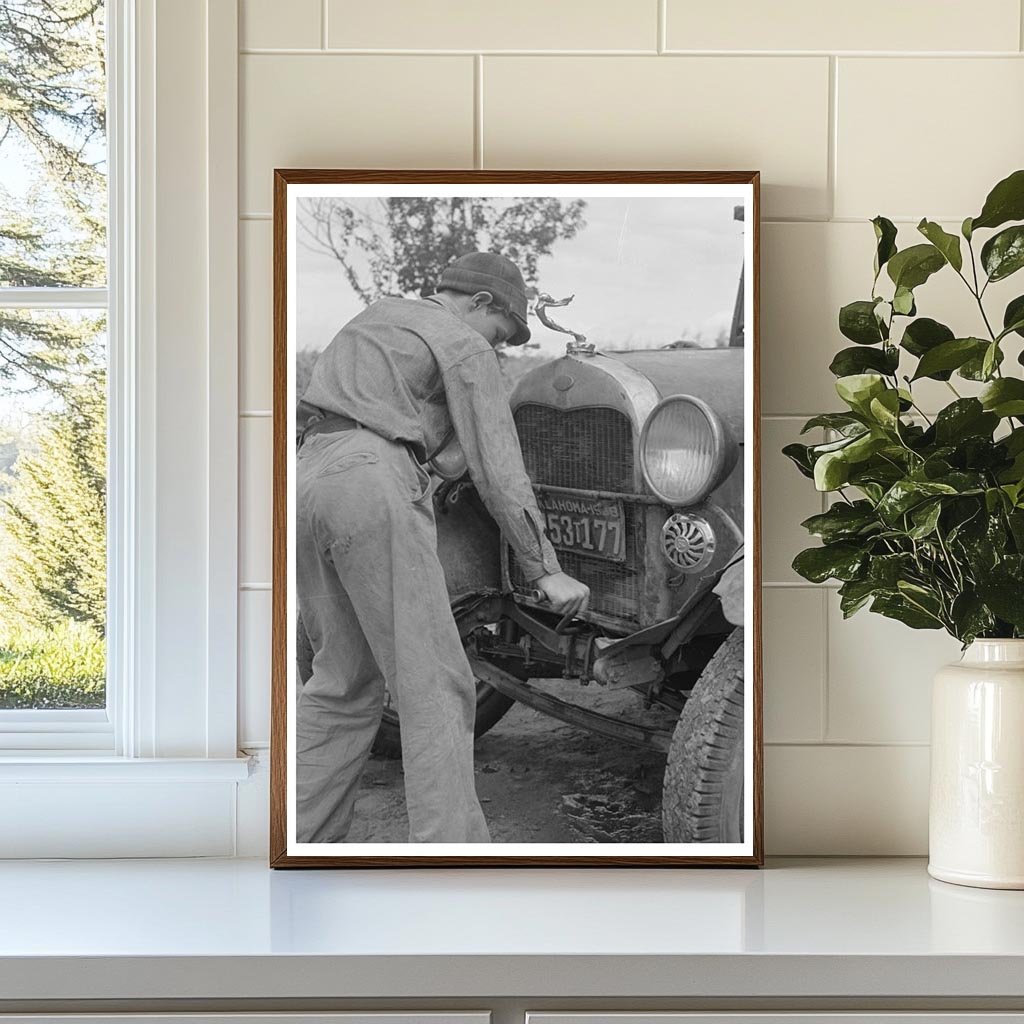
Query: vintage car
636 462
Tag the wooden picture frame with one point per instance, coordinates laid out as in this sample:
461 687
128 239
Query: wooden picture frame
705 531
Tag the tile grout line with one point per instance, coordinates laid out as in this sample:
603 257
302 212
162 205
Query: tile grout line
768 55
831 170
851 744
662 41
1020 23
865 220
825 649
824 715
478 111
323 24
799 584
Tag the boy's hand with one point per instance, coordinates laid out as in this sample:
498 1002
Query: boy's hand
565 594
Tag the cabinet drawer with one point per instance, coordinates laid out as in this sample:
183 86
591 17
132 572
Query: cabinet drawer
357 1017
853 1017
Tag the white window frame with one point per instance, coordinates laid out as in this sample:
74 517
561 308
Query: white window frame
63 730
170 731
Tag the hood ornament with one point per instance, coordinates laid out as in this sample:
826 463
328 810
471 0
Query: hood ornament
579 346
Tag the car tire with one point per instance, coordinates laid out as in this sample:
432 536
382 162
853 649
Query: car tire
702 794
491 706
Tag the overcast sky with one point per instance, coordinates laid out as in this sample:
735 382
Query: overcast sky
645 272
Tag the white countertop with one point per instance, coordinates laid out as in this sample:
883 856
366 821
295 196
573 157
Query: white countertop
234 928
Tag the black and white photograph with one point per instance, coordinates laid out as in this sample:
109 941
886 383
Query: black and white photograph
515 560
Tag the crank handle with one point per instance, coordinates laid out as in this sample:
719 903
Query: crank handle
539 597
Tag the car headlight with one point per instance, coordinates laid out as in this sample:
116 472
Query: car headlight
686 451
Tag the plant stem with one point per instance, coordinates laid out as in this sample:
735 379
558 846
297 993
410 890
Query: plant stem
953 567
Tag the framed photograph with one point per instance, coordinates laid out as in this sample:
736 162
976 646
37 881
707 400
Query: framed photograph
516 613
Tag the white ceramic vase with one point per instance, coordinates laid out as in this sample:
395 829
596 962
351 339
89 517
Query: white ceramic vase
976 814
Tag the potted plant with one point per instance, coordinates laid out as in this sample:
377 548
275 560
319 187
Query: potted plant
927 521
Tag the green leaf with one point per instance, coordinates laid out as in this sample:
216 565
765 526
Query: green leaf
1013 491
966 417
885 236
925 518
817 450
849 361
974 368
921 597
971 617
831 471
897 607
1017 327
995 500
1014 441
965 229
865 446
935 466
1003 254
1005 202
854 594
840 561
947 244
886 571
990 360
1004 397
857 321
1013 317
1015 518
903 302
834 420
881 471
913 266
1005 597
981 537
885 409
950 355
964 482
858 389
799 455
907 494
843 521
923 335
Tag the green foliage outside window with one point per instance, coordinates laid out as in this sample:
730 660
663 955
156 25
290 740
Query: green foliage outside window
927 525
52 365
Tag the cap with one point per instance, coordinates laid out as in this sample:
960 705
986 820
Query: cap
490 272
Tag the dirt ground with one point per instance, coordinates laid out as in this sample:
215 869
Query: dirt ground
542 781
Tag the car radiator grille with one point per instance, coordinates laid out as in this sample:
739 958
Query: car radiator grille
588 449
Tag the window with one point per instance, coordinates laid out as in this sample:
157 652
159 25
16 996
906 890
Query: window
53 371
154 764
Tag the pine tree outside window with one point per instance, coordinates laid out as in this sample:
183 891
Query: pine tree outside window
53 367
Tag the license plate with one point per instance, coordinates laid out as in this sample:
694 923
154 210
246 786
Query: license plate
589 526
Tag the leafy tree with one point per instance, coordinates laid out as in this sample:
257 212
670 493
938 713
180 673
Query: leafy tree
52 123
399 245
53 518
52 234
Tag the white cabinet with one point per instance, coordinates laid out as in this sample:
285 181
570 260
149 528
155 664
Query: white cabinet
361 1017
786 1017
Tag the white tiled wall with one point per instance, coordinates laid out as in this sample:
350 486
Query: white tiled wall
910 109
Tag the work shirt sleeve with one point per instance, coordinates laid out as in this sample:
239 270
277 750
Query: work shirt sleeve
479 410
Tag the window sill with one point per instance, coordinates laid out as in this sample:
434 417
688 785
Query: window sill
75 805
75 766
